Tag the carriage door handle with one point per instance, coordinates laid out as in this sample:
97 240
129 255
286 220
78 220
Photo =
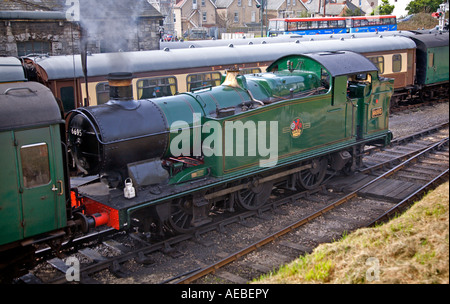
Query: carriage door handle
55 188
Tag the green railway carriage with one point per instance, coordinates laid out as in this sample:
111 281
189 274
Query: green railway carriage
33 180
231 144
432 58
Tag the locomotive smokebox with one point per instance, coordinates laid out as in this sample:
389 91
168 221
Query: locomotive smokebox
120 86
106 139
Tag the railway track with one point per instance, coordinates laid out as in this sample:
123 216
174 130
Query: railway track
128 256
367 185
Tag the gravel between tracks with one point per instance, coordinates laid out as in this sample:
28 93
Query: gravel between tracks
415 120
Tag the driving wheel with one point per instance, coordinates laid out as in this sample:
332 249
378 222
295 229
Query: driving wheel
312 178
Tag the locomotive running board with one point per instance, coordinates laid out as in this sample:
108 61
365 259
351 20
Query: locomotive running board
260 181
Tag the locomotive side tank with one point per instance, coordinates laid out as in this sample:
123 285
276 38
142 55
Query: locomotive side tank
231 144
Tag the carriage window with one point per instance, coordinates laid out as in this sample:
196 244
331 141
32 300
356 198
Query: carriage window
195 81
378 61
430 60
250 71
396 63
102 91
68 98
156 87
35 165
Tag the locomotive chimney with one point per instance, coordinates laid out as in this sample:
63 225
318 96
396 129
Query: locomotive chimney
120 86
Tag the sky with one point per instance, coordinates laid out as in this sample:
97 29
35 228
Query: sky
400 6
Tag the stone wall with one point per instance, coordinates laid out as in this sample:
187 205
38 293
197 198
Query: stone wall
24 24
63 37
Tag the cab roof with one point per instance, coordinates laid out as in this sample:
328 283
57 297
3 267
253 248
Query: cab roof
336 63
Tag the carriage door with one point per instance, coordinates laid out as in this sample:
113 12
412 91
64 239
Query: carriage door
67 92
40 186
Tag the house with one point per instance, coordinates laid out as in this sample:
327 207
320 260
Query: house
192 15
286 9
339 7
238 13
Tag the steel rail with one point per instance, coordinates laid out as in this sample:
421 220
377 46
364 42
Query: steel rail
410 199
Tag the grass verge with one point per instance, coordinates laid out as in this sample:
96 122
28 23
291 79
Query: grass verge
412 248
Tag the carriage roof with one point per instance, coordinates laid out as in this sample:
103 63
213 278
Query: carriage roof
68 67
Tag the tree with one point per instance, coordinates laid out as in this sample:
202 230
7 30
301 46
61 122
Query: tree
425 6
384 9
348 12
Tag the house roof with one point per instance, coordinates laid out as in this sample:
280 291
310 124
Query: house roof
316 6
275 4
40 7
31 5
223 3
181 3
114 8
32 15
